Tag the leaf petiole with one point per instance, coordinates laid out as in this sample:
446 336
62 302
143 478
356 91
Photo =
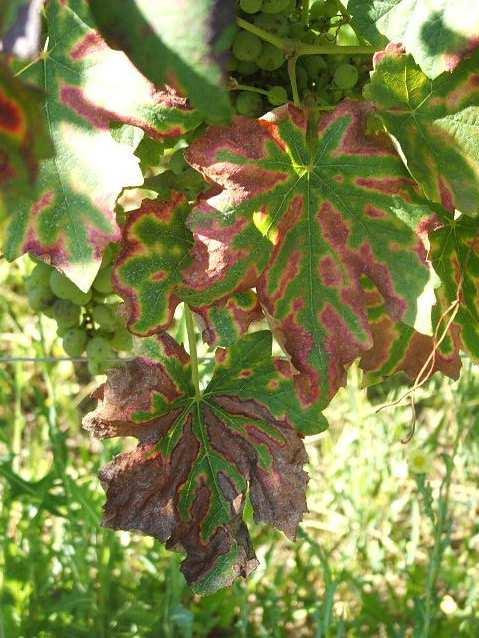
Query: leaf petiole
190 330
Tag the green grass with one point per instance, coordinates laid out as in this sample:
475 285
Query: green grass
382 552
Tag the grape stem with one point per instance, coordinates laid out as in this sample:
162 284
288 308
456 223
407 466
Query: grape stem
234 86
293 81
190 330
294 48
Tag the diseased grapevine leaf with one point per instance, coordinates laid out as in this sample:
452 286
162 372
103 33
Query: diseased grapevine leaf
438 33
455 257
24 138
226 320
155 248
399 348
302 217
187 481
69 218
20 27
179 43
435 122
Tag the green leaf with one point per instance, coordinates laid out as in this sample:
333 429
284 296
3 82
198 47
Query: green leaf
435 122
183 44
187 481
69 217
455 257
399 348
155 248
302 216
438 33
24 139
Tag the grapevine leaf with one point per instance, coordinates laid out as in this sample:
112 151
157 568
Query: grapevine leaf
399 348
455 256
302 217
155 248
435 122
198 458
438 33
23 133
88 85
183 44
20 27
226 320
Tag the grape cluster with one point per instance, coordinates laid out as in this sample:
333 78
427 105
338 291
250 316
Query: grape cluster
87 322
259 70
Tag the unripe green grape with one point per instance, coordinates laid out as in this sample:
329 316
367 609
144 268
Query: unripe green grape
271 58
315 65
103 282
122 340
275 6
247 46
105 317
346 76
301 77
251 6
297 31
347 36
74 342
247 68
277 95
232 64
249 104
276 24
40 276
39 298
323 9
96 367
65 313
99 349
63 288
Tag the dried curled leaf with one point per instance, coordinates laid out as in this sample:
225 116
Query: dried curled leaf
438 33
198 457
69 217
302 217
399 348
435 124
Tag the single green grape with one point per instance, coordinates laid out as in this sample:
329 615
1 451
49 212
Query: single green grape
65 313
105 317
297 31
40 298
249 104
74 342
315 65
96 367
63 288
103 281
277 95
271 58
323 9
122 340
275 6
40 276
301 77
247 46
276 24
251 6
99 349
346 76
247 68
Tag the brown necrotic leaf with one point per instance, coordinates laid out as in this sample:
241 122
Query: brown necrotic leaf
302 215
199 457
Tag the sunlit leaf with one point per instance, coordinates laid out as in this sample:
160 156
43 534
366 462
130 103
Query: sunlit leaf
302 216
438 33
436 124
